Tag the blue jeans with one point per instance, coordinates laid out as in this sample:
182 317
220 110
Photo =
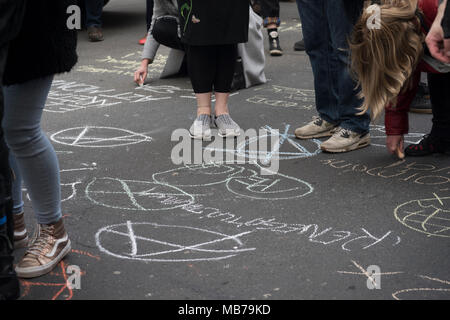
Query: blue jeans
33 156
94 10
326 28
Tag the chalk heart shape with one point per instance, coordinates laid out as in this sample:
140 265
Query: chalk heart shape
136 195
152 242
429 216
238 179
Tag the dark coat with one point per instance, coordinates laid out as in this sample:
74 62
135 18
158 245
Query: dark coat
214 22
44 45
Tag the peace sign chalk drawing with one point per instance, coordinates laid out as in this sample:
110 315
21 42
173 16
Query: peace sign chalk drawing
299 148
98 137
136 195
152 242
238 179
430 216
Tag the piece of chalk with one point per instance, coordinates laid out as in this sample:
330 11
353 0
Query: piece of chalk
400 154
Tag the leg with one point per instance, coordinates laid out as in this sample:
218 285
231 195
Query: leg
94 9
340 26
440 102
227 56
317 44
149 13
201 65
35 156
270 11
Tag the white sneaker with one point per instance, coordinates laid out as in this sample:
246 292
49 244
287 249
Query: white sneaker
344 140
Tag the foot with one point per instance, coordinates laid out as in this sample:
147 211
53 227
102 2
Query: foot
20 231
201 128
299 45
317 128
274 44
428 145
95 34
344 140
143 40
9 284
49 247
227 127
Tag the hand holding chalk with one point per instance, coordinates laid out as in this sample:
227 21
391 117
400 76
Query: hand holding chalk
141 73
394 144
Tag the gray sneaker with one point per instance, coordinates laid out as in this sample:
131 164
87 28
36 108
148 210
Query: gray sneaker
201 128
344 140
317 128
226 126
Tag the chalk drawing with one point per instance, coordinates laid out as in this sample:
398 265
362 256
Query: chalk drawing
56 280
421 173
98 137
287 148
136 195
430 216
67 96
152 242
124 65
238 179
413 293
285 97
442 293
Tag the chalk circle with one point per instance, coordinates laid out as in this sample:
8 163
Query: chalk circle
98 137
238 179
136 195
152 242
428 216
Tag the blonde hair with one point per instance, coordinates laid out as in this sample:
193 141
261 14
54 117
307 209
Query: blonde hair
384 58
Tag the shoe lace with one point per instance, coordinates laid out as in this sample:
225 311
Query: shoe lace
318 121
45 234
344 133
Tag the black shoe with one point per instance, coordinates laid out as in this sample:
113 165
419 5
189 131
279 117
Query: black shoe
274 44
299 45
9 284
422 102
428 145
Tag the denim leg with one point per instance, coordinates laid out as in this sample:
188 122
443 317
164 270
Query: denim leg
16 185
316 35
340 28
35 156
94 9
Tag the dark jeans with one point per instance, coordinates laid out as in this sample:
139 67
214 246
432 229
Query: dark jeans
326 27
270 8
439 85
94 9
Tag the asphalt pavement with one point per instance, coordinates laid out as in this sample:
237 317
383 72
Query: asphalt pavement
360 225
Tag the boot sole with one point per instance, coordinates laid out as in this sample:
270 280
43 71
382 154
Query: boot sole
41 270
355 146
422 111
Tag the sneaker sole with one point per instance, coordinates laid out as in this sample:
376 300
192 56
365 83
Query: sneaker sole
228 135
276 53
41 270
317 135
355 146
202 137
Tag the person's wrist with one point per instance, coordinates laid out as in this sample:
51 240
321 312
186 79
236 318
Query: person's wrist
145 62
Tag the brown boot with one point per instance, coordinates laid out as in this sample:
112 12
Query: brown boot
50 246
20 231
95 34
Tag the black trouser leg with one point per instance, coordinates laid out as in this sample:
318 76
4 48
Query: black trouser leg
439 85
